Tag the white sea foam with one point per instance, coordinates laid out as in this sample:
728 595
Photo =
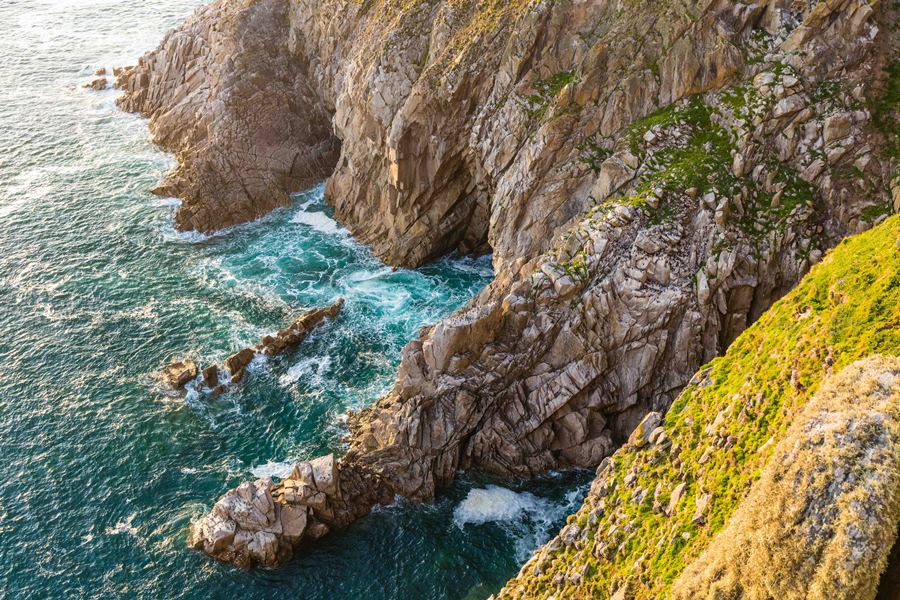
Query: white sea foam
527 519
481 266
495 503
167 202
123 526
280 470
319 221
312 367
170 234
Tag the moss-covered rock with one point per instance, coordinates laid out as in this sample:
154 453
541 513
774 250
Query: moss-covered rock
821 520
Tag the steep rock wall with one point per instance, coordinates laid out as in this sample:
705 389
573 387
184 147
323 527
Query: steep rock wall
242 115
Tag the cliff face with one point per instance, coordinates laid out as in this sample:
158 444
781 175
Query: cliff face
243 116
752 485
651 176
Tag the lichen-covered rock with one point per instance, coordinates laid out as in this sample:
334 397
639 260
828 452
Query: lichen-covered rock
823 516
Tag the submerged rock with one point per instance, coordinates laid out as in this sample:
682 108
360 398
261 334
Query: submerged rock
101 83
180 373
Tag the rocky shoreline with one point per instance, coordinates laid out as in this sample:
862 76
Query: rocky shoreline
650 181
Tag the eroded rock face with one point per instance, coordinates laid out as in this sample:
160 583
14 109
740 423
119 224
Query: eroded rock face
259 523
241 114
636 229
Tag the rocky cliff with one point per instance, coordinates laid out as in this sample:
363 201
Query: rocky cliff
650 176
749 486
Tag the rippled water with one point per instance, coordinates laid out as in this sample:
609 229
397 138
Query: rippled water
102 470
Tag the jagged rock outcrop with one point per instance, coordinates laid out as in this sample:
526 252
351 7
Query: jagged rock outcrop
284 339
261 522
179 373
241 115
823 516
98 84
650 177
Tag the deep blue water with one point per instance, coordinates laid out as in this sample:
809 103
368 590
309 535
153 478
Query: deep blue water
102 468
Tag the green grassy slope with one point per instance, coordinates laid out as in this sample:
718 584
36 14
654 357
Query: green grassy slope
721 431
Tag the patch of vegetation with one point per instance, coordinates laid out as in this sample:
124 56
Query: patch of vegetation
886 111
827 92
576 267
699 159
657 209
872 213
592 154
724 426
744 102
545 91
769 211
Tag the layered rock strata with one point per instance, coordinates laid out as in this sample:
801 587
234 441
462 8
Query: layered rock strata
650 177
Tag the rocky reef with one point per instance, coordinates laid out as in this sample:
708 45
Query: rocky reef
180 373
650 176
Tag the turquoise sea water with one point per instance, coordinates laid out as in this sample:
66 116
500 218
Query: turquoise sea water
102 469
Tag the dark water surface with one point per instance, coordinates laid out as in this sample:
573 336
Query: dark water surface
102 470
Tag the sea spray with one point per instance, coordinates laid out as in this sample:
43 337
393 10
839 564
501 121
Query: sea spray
527 519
